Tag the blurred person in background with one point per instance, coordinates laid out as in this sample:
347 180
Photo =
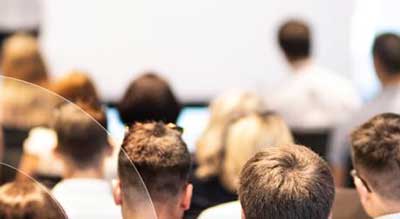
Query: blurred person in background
155 153
38 157
24 105
286 182
27 199
312 97
210 146
376 159
77 86
24 102
19 16
83 147
149 98
246 137
386 57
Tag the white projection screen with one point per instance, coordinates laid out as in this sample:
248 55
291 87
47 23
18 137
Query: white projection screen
202 47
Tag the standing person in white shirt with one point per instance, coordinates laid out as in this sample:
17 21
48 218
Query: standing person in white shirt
376 173
312 98
386 55
83 147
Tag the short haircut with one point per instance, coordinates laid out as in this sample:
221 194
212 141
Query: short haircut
376 154
26 199
80 134
149 98
160 157
286 182
295 40
386 49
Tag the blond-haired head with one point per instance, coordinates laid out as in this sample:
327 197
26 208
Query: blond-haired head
21 59
223 110
245 138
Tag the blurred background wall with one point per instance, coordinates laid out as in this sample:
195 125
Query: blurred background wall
204 47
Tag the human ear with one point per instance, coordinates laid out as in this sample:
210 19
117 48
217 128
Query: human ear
187 197
116 188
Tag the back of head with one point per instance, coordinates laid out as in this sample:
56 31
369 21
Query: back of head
294 38
386 50
224 109
376 154
149 98
245 138
286 183
21 59
80 133
26 199
77 86
161 158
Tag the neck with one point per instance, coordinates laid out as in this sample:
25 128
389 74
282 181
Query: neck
165 211
300 63
95 171
391 80
392 208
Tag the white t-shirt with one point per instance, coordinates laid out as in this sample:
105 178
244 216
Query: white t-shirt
314 98
390 216
87 198
231 210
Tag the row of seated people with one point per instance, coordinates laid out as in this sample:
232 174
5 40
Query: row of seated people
279 181
218 160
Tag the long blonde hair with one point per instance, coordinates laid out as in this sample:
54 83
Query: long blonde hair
245 138
223 109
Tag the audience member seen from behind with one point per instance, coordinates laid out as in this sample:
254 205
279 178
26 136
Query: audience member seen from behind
386 55
38 157
26 199
244 138
149 98
23 105
83 147
376 158
312 97
285 183
21 59
77 86
162 159
209 149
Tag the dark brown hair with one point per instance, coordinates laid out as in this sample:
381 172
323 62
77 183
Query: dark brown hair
149 98
376 154
160 157
295 40
386 49
80 134
286 182
27 200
